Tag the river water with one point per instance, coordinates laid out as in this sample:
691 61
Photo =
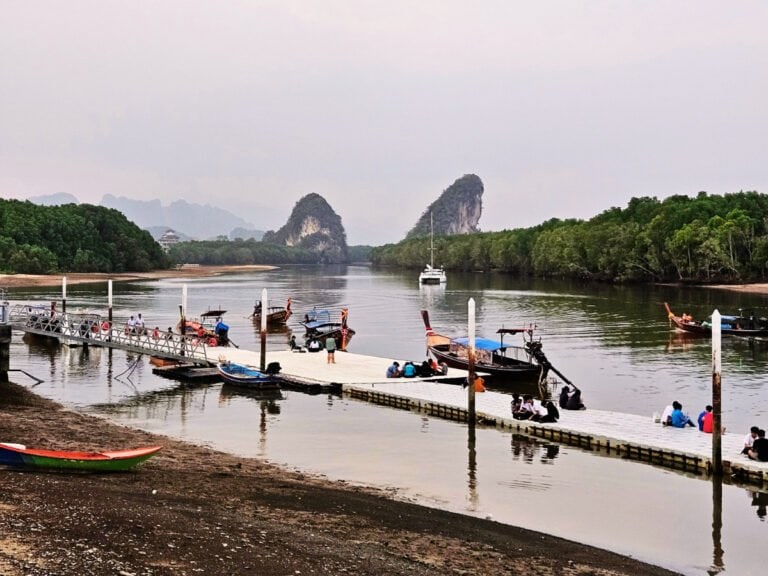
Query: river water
614 342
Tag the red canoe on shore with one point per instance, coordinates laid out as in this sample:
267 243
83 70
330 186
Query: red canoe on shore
109 461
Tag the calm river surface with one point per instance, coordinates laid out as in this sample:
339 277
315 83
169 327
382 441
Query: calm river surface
613 342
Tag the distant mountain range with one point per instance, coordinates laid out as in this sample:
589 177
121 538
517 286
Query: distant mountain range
189 221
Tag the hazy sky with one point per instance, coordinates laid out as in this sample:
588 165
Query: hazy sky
563 108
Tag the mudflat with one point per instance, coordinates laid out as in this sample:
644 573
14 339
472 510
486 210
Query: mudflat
192 510
187 271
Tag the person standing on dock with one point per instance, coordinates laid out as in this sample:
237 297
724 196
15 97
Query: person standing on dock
330 347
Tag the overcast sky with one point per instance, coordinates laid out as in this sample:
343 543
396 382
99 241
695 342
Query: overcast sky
563 108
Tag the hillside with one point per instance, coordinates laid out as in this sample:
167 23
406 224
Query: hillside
313 225
456 211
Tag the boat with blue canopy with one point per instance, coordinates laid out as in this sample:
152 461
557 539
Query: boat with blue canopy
503 361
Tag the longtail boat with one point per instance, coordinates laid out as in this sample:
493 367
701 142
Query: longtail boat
319 328
108 461
276 315
507 364
745 325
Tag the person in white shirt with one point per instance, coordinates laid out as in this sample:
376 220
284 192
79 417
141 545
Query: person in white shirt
666 416
749 439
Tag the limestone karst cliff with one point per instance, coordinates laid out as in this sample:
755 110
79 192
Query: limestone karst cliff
456 211
315 226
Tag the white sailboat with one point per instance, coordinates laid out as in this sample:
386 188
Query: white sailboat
430 274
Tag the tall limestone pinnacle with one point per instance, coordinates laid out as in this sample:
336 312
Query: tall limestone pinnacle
315 226
456 211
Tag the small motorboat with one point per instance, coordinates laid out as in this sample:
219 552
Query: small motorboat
249 376
108 461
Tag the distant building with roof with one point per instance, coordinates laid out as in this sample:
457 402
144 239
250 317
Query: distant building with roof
168 239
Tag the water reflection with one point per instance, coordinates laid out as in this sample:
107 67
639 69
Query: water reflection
760 502
472 467
717 525
526 449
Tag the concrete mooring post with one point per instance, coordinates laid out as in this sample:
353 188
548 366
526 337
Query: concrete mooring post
63 294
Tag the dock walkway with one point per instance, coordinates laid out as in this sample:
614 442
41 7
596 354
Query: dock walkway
363 377
615 433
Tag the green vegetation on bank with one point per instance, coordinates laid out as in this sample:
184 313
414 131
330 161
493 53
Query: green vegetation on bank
703 239
73 238
238 252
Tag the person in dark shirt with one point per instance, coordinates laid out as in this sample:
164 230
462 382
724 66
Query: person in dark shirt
759 447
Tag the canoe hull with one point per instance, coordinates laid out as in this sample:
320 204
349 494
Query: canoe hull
113 461
245 376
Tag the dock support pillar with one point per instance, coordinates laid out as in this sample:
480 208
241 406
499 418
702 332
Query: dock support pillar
5 351
263 329
717 439
471 412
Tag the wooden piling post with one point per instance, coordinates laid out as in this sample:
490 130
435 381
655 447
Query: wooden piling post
717 440
263 330
109 310
5 351
472 414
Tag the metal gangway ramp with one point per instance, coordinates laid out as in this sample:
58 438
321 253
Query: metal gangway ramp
96 330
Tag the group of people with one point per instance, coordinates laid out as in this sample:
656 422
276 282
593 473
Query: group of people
674 416
409 370
755 443
525 409
135 325
571 399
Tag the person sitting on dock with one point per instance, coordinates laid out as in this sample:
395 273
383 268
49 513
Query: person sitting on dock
425 370
314 345
749 440
527 410
574 401
294 346
409 370
515 405
394 370
702 416
548 413
666 415
564 395
679 418
707 420
759 450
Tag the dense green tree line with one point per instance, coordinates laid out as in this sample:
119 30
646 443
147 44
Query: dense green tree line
73 238
239 252
702 239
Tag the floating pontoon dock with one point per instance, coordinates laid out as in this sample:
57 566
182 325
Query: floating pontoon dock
363 377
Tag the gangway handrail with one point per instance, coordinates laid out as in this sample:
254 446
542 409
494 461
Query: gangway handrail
90 328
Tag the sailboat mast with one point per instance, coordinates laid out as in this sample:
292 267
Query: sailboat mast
431 242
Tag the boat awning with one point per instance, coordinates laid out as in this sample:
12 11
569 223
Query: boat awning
480 343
